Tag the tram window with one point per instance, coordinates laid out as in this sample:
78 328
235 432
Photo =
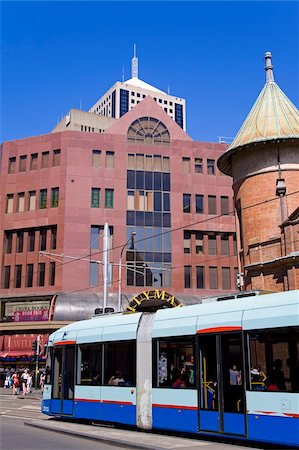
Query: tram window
175 363
89 369
274 360
120 364
48 365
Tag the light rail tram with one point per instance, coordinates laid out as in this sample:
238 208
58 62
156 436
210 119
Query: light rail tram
221 368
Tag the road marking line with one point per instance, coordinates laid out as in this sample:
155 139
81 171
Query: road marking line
19 417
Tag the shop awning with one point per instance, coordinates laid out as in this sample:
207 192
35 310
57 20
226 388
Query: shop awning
15 354
18 345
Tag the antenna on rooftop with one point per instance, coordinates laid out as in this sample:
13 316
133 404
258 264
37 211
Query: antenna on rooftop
135 64
123 74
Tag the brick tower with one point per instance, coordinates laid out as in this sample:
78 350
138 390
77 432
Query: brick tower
264 163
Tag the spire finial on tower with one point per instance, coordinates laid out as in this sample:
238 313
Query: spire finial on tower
269 68
134 64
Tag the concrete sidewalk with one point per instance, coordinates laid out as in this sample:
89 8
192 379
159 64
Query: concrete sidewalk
36 394
133 439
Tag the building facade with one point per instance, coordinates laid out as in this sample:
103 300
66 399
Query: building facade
264 163
168 207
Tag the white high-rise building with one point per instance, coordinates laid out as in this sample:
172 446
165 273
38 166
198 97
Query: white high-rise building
124 95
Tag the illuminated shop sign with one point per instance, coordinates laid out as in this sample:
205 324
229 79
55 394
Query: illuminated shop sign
152 301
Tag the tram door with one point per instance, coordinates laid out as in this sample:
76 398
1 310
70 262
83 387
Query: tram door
63 380
222 391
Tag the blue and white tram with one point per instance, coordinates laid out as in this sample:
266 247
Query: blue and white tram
225 368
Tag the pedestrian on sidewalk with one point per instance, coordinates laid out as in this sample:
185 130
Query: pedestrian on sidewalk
15 383
24 378
29 383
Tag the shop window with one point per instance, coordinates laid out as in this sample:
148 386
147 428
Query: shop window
12 164
187 203
212 204
109 198
120 364
6 277
95 197
9 203
45 160
200 280
29 275
33 161
32 200
109 160
41 274
213 276
56 158
226 284
211 166
89 372
52 272
96 158
175 367
43 199
198 165
21 202
55 197
18 276
23 163
187 277
224 205
186 165
274 360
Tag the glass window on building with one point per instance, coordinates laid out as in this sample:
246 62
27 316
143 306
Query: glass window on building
187 241
43 239
187 203
211 166
187 277
235 249
224 204
199 203
109 198
131 161
225 244
45 159
52 273
212 204
175 367
43 199
55 197
95 197
166 164
124 102
198 242
23 163
12 164
18 276
33 161
41 274
6 277
56 158
53 242
213 277
96 158
9 203
20 241
109 163
186 165
212 244
200 280
21 202
93 274
179 117
226 284
198 165
31 240
29 275
8 242
32 200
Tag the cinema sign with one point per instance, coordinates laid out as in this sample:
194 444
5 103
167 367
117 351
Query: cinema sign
152 300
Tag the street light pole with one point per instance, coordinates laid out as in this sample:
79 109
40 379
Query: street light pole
120 270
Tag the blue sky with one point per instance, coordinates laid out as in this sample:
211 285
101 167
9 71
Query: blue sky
58 54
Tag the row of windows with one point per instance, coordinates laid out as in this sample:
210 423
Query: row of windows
96 196
34 161
109 159
150 163
213 277
198 242
202 208
19 203
157 181
91 129
199 166
272 365
156 274
148 201
30 278
149 219
45 236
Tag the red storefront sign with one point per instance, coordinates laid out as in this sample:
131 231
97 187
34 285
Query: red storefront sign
21 344
29 316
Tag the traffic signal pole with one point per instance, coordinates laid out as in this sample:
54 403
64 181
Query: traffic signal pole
36 359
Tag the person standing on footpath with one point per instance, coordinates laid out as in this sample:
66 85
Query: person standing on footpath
24 379
15 383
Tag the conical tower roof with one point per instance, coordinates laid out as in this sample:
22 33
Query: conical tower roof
272 117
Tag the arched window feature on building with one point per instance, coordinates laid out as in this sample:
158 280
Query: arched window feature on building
148 130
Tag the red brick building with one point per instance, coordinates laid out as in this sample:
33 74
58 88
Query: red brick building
154 186
264 163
